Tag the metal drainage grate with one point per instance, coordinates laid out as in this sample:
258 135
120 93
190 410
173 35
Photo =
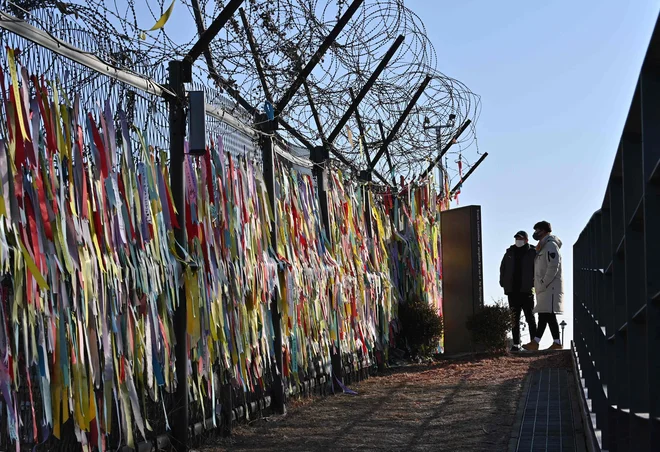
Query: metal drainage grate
547 424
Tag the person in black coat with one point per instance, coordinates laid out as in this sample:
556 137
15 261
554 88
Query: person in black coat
517 280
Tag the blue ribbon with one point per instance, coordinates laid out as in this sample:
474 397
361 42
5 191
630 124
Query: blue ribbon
270 111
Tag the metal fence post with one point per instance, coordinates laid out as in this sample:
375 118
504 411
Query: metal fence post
268 128
365 176
320 155
177 120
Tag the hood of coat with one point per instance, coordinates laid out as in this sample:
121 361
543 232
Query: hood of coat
551 238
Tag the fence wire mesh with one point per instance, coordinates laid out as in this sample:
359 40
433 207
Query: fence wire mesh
148 113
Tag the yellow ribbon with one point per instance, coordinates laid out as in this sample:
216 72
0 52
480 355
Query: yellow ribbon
164 18
41 281
17 95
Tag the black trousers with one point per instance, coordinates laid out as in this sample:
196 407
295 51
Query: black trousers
522 302
549 319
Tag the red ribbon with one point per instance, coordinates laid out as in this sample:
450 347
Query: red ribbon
98 142
42 205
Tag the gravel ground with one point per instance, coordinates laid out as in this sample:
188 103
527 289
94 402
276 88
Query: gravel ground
453 405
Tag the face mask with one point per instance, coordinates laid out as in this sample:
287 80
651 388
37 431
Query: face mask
536 236
520 243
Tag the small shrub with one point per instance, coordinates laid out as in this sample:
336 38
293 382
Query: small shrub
490 325
421 327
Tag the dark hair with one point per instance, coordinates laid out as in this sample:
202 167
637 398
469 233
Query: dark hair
544 226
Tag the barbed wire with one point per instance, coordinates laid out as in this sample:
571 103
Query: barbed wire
287 33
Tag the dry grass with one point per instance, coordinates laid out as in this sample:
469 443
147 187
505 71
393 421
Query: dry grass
462 405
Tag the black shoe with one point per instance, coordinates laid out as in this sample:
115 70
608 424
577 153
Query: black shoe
515 349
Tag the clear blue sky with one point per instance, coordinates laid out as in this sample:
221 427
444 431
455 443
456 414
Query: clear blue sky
556 79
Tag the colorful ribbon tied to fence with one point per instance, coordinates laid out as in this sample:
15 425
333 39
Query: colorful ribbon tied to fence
91 270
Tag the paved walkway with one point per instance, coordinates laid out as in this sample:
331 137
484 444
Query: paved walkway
548 418
458 405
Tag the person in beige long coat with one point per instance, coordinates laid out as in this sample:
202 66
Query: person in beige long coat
548 285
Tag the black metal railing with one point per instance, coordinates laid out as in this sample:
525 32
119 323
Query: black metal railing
617 282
